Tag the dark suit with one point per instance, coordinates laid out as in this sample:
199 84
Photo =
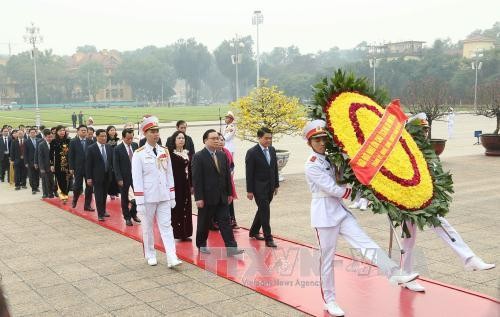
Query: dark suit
4 157
100 173
213 187
262 180
30 160
122 168
17 156
143 141
44 163
76 157
189 144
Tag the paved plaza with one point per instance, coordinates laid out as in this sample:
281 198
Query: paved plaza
54 263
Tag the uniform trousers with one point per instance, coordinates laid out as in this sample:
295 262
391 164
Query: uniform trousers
359 240
147 214
459 246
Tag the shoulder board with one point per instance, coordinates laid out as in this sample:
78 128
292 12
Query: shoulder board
140 149
313 158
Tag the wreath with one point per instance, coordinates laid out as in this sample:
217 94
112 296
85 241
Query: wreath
410 184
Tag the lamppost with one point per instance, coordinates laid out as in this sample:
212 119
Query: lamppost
33 37
374 63
257 19
236 43
476 65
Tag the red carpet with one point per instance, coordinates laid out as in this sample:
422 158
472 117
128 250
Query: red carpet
289 275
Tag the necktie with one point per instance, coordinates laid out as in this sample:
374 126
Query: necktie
214 156
130 152
104 157
84 144
268 157
154 150
6 145
34 143
21 147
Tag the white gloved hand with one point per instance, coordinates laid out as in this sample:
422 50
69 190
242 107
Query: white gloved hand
141 208
172 203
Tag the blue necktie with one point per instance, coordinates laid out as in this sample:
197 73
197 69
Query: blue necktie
104 157
83 144
268 157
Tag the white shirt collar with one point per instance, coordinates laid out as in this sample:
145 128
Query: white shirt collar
263 148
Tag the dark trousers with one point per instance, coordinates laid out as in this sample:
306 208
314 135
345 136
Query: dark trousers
34 176
220 213
20 174
47 184
62 182
101 194
4 167
78 189
128 213
262 216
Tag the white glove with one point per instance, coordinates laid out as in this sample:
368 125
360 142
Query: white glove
141 208
172 203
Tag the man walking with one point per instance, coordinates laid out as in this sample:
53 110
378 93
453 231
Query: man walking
44 164
77 152
4 154
30 149
213 193
80 118
73 119
153 183
17 156
122 167
262 183
98 169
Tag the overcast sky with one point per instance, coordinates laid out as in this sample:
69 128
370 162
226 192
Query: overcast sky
311 25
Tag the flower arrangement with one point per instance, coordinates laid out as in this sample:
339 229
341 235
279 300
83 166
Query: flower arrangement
410 184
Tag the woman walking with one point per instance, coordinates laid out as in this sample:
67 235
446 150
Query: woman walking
112 139
59 150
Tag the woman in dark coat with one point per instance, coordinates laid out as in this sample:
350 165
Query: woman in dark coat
59 149
182 217
113 139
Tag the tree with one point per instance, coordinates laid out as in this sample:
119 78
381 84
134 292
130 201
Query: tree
268 107
489 102
92 78
86 49
191 61
429 95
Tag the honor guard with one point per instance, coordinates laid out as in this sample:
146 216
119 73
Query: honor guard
230 132
154 192
331 219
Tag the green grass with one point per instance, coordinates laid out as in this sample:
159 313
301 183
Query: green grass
115 115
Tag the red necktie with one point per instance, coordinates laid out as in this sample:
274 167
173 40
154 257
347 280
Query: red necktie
21 147
129 152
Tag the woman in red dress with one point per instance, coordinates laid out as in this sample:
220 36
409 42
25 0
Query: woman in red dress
182 214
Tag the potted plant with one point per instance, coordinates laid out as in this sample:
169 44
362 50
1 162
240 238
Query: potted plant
489 106
429 95
266 106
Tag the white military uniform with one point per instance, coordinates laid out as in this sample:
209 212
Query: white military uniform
331 218
155 196
229 133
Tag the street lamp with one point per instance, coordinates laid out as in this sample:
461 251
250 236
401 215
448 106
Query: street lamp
374 61
236 43
33 37
257 19
476 65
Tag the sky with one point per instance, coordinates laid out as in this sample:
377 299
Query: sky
312 25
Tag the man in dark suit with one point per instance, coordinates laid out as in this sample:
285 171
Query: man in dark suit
76 159
44 164
5 141
182 127
122 168
262 183
73 119
213 193
80 118
98 169
17 156
30 153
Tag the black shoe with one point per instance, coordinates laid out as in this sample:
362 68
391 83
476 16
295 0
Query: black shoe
73 204
44 196
234 251
18 188
128 222
106 214
25 187
100 218
51 196
88 209
186 239
204 250
37 190
33 192
136 219
257 237
271 244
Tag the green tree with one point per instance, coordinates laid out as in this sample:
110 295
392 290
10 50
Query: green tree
91 77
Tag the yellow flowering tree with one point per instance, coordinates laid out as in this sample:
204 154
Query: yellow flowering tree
266 106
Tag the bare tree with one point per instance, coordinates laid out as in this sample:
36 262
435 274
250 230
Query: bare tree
489 101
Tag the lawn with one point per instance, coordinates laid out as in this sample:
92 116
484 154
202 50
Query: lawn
114 115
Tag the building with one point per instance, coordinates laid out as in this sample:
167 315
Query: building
477 43
407 50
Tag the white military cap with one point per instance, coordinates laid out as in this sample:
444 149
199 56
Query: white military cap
419 119
314 129
230 114
149 122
